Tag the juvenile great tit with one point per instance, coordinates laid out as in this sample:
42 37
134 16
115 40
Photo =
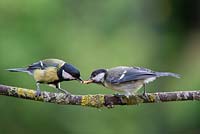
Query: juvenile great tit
126 79
51 72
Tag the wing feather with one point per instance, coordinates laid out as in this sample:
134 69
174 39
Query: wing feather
46 63
125 74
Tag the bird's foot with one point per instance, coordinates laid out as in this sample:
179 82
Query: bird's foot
145 95
118 95
110 105
38 93
64 91
129 94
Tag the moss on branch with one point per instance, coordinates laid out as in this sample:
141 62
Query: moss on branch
98 100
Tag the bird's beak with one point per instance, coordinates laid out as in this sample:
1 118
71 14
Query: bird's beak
80 79
87 81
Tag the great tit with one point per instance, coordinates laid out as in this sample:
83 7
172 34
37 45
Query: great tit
51 72
126 79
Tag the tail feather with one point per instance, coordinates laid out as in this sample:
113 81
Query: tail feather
17 70
160 74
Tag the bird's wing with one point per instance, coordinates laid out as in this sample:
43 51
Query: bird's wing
36 65
126 74
46 63
53 63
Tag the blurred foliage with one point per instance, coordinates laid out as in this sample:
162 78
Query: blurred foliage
161 35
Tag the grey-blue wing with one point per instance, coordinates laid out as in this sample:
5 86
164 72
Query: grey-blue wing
44 64
36 65
126 74
134 77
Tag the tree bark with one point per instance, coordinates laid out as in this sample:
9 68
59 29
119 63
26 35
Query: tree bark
98 100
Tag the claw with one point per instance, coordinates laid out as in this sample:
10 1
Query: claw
145 96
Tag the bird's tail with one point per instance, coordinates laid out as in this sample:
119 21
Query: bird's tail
160 74
18 70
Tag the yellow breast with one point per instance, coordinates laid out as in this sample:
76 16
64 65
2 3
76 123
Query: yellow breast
46 76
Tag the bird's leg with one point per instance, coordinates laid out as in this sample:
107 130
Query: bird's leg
144 93
60 89
38 92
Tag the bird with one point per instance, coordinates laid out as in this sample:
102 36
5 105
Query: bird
51 72
126 79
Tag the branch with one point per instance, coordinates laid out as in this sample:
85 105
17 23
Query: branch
98 100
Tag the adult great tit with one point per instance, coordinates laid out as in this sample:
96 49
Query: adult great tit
51 72
126 79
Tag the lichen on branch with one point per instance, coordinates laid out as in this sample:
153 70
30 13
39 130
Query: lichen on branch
98 100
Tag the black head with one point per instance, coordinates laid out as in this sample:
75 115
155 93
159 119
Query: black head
97 76
69 72
97 72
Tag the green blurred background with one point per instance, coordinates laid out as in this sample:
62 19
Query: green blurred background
160 35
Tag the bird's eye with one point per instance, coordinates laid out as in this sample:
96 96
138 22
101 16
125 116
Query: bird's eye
92 75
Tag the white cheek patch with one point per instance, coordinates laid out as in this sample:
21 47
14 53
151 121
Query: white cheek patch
66 75
99 77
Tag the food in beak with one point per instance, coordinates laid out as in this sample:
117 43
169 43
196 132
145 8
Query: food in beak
87 81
